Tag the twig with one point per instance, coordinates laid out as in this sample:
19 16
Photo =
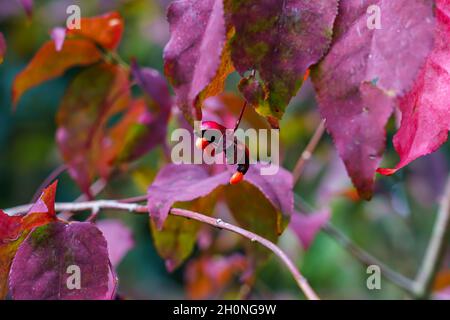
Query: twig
238 122
367 259
96 188
436 249
360 254
421 286
307 153
83 206
301 281
52 176
218 223
134 199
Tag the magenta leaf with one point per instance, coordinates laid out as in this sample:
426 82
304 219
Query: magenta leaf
192 57
306 226
27 6
176 183
364 70
280 40
154 86
47 263
2 47
426 108
156 116
119 238
276 188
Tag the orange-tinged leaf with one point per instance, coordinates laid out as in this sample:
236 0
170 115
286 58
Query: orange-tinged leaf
142 127
442 280
94 95
14 229
48 63
118 143
208 276
105 30
43 211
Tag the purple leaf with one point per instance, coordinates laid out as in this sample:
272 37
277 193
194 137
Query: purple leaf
180 183
280 40
119 238
58 35
364 69
193 56
307 226
27 6
154 86
2 47
276 188
188 182
53 253
156 117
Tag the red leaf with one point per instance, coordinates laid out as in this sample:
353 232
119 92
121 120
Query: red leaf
426 108
41 212
14 229
48 63
105 30
363 71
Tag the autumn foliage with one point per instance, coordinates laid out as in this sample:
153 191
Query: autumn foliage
115 111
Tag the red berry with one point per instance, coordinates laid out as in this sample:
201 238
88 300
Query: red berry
236 178
201 143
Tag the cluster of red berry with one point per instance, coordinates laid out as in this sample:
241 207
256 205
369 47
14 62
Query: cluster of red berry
238 151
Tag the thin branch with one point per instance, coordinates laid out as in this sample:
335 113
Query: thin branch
437 247
96 188
360 254
238 122
218 223
307 153
367 259
141 198
83 206
95 206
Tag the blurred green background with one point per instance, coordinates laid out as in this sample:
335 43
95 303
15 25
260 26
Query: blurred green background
395 226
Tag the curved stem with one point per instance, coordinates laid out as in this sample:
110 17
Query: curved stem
437 247
95 206
307 153
218 223
238 122
367 259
